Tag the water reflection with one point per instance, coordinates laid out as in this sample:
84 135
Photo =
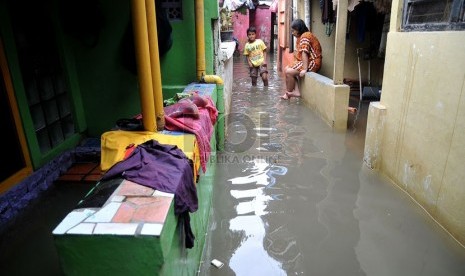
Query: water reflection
251 258
253 205
266 147
262 173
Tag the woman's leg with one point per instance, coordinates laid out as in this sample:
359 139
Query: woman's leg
290 79
291 75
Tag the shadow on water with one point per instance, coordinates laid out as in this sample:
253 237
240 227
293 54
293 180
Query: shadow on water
292 197
27 246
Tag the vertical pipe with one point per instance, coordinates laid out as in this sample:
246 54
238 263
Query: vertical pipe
340 43
155 63
200 38
307 13
139 22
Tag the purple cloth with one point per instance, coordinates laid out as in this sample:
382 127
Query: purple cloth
165 168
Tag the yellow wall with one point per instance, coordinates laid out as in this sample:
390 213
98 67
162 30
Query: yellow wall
328 100
423 141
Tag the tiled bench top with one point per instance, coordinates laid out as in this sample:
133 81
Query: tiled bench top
123 228
204 89
132 209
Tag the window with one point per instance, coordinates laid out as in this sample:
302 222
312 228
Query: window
43 76
173 9
433 15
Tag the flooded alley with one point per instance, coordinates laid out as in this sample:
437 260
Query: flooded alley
293 197
290 197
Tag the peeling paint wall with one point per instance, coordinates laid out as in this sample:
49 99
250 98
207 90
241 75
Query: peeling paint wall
240 25
260 18
423 148
263 24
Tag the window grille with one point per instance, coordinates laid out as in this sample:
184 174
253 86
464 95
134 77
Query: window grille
173 9
433 15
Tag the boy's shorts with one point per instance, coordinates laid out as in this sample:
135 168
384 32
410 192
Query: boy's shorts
255 71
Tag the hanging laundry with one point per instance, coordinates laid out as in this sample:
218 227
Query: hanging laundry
328 16
233 5
352 4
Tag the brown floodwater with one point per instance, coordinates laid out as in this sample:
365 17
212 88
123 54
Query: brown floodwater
293 197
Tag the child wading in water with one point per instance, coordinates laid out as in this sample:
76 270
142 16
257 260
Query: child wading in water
255 50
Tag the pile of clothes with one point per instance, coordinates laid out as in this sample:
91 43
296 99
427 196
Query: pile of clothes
194 114
165 167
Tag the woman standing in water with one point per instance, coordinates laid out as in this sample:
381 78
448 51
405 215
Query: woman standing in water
307 57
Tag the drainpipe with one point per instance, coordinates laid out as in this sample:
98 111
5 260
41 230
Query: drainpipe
155 63
200 43
139 21
212 79
200 38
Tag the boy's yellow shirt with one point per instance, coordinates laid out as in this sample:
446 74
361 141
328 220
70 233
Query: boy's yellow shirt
255 51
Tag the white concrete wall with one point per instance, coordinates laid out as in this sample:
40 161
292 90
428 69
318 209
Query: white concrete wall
422 145
226 72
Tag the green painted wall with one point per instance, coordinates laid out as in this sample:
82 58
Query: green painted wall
179 65
211 14
182 261
83 255
108 85
109 89
103 86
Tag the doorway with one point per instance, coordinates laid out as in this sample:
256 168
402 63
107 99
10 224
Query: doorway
14 160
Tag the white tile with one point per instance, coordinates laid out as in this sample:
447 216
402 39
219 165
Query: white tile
151 229
117 198
264 128
124 229
105 214
160 193
82 229
72 219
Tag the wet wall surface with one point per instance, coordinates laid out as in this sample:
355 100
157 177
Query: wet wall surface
292 197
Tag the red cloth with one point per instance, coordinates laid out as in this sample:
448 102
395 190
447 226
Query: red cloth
184 107
202 128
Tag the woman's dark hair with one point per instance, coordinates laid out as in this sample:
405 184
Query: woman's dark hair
299 26
251 30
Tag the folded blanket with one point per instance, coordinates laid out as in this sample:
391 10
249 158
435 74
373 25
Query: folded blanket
202 128
183 108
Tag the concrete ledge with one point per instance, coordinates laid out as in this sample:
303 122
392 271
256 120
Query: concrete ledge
135 232
374 135
330 101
